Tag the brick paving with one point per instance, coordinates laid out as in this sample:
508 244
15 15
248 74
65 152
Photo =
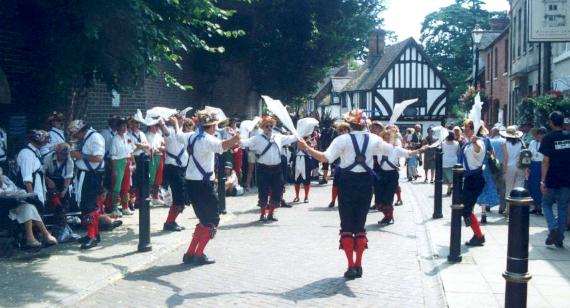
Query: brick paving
293 262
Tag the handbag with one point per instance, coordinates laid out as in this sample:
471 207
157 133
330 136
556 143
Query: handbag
492 160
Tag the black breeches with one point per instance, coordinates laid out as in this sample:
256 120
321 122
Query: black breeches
269 179
354 196
385 187
306 181
472 187
174 177
204 201
90 191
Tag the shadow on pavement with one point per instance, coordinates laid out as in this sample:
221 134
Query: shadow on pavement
254 224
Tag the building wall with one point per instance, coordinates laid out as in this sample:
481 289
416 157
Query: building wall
497 79
561 66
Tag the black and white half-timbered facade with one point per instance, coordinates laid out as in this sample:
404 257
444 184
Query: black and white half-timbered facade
393 74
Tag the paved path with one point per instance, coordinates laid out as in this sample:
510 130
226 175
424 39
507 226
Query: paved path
295 261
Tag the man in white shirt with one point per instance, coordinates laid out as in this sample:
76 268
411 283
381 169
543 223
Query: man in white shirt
88 183
30 164
472 156
175 163
270 178
356 151
108 133
3 150
59 174
199 175
56 134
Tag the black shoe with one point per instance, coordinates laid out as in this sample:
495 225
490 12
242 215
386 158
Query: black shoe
111 226
331 205
483 219
475 241
553 237
373 208
386 221
203 260
398 203
351 273
224 212
467 221
271 218
287 205
358 271
86 238
90 243
323 181
306 200
132 207
262 218
172 226
501 211
188 259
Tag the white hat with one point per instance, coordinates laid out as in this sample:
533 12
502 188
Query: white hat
75 126
511 132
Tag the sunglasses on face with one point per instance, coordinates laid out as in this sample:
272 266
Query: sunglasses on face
268 126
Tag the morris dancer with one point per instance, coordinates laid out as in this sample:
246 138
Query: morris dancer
270 178
202 147
141 150
472 156
175 164
90 165
356 151
156 143
56 134
302 164
389 174
341 129
121 156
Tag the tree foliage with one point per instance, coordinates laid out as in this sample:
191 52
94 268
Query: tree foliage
446 37
290 44
119 43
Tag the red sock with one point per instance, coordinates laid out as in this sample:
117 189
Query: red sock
360 243
202 241
390 214
399 195
195 239
172 214
297 189
262 211
475 226
334 193
347 244
307 188
270 211
93 226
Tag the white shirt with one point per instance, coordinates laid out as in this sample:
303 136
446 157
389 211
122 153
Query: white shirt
513 153
93 145
108 135
450 151
56 169
342 147
533 147
3 145
121 147
204 152
175 148
394 157
138 137
56 136
156 141
273 156
474 159
29 163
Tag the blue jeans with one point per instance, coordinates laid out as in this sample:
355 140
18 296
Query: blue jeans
560 196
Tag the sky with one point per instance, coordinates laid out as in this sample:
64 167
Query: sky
405 16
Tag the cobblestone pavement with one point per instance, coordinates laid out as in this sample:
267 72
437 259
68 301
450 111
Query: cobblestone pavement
294 261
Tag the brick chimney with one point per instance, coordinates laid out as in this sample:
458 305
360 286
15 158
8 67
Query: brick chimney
499 23
376 43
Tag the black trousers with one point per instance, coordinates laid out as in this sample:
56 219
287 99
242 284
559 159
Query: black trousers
354 196
269 180
204 201
472 187
174 177
385 187
90 190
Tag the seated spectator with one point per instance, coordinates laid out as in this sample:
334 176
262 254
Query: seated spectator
59 174
232 184
26 214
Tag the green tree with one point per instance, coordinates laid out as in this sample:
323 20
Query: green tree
446 37
118 43
290 44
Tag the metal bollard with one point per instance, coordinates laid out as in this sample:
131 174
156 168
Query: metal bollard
221 184
144 205
456 214
517 275
437 195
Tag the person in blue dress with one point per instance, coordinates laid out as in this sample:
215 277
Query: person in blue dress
489 196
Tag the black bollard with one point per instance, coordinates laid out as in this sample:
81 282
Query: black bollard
221 184
437 195
144 204
456 214
517 275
